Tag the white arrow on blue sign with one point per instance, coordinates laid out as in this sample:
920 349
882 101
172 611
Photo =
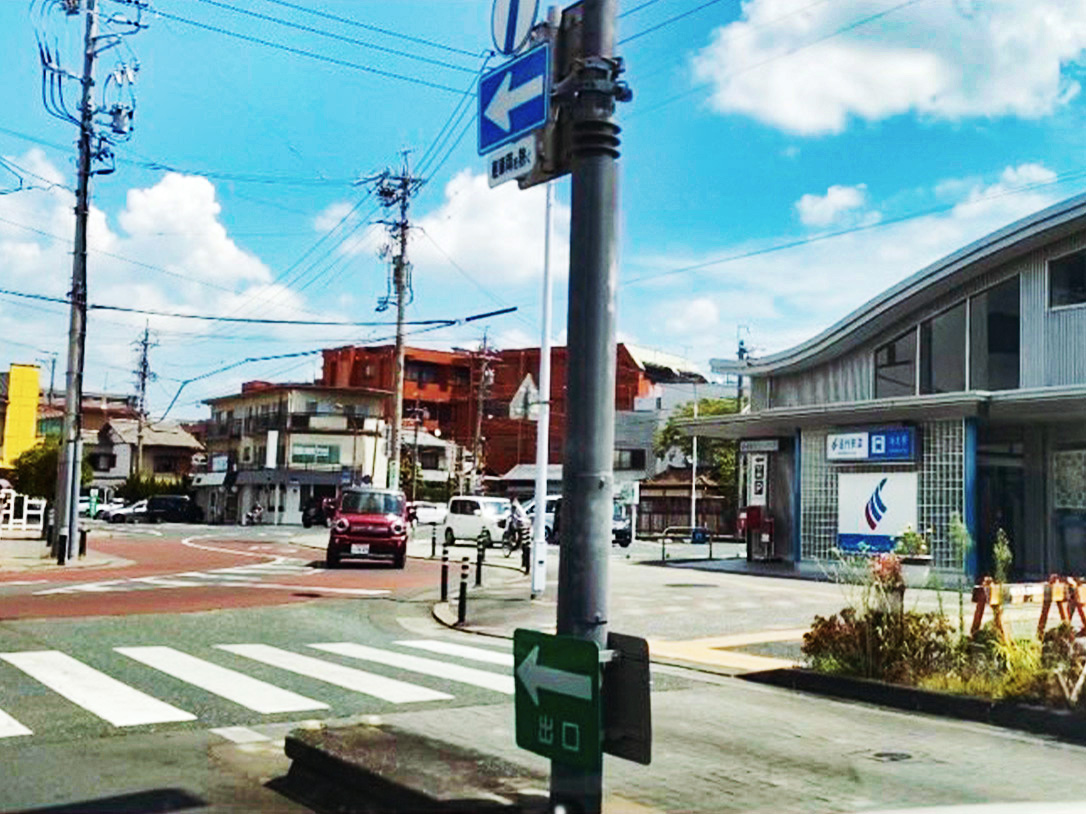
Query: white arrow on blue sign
514 99
510 22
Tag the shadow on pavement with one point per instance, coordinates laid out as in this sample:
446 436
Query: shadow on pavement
143 802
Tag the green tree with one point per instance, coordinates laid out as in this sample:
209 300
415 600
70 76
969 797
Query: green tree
140 487
717 456
34 473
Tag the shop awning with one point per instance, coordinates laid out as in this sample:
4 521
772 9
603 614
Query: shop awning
209 479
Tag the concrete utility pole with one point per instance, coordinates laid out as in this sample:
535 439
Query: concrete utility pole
143 376
543 421
486 378
68 485
588 478
395 191
694 474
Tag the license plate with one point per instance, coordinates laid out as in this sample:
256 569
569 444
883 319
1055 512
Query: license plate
360 548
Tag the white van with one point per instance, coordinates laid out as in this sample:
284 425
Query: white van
479 518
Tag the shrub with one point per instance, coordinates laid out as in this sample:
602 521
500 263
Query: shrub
1001 557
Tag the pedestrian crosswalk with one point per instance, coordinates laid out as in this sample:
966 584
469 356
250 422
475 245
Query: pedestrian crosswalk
125 687
238 576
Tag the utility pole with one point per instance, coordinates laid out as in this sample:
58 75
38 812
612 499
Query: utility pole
143 376
395 192
486 378
94 145
588 477
543 421
694 474
68 486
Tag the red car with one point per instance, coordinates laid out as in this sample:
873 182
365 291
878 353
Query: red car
370 524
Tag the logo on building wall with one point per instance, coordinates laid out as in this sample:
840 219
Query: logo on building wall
876 508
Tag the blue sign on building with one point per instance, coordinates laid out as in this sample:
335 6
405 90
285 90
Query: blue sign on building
898 444
514 99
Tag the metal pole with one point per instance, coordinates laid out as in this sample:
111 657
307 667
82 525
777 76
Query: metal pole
480 553
588 477
694 474
415 471
68 479
543 422
444 572
433 540
462 599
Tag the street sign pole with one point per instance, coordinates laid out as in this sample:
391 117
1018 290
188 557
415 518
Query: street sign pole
587 473
543 423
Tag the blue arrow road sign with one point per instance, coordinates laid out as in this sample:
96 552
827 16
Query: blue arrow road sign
514 99
510 22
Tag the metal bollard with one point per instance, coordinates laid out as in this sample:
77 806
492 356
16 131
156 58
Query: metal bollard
480 555
445 572
433 540
82 542
526 554
462 600
710 546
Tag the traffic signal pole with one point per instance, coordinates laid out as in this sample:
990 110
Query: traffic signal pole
588 479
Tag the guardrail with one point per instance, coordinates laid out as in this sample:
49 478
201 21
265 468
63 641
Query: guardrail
1068 594
21 513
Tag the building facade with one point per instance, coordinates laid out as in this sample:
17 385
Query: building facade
281 445
19 394
958 393
168 452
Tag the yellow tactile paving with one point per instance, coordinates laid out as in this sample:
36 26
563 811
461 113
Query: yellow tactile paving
715 650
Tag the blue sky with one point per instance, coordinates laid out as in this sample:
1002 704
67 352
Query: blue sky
913 127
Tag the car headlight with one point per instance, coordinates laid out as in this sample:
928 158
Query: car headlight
397 528
342 524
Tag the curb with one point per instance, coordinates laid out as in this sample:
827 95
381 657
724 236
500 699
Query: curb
1037 720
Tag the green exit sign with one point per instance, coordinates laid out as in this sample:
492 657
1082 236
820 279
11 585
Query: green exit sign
558 697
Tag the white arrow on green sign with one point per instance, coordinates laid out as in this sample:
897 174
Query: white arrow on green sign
535 676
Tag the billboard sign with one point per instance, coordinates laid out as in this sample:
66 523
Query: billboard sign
873 509
894 444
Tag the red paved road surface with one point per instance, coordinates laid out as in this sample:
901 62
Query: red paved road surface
161 557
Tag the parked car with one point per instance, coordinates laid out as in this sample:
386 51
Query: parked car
371 524
475 517
173 509
620 524
318 511
425 513
133 513
548 517
106 509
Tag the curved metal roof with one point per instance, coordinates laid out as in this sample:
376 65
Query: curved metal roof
926 285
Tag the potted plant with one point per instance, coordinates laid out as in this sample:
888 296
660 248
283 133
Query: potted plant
914 551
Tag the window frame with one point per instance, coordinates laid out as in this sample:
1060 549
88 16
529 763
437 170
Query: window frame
914 331
964 304
1048 282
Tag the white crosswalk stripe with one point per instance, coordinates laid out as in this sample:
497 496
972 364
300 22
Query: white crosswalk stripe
461 651
256 695
388 689
106 697
9 727
417 664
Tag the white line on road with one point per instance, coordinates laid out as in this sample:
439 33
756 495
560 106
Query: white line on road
220 577
417 664
163 582
23 582
85 587
256 695
10 728
239 734
318 589
388 689
462 651
96 692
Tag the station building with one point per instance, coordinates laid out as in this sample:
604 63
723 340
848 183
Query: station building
959 391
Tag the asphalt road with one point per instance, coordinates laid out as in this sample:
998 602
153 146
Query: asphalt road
176 711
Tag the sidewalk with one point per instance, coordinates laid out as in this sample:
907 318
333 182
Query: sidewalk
34 555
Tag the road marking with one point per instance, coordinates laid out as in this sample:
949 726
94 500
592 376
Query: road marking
221 577
162 582
463 651
10 728
23 582
188 541
96 692
85 587
239 734
256 695
451 672
388 689
319 589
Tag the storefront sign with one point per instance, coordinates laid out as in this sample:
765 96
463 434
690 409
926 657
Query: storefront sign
760 445
873 509
220 463
895 444
758 480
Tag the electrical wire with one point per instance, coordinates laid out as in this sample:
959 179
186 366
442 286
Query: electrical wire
377 29
415 80
667 22
636 9
330 35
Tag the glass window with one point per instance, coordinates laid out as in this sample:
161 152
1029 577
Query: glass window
1067 280
994 317
371 503
895 367
942 352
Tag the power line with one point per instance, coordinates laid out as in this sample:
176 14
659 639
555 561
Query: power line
792 244
836 32
341 37
378 29
310 54
667 22
636 9
247 320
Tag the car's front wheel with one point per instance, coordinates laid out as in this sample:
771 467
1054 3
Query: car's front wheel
307 521
331 558
400 560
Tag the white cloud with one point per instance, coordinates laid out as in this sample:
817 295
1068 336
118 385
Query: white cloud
800 68
788 296
828 209
696 316
495 235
